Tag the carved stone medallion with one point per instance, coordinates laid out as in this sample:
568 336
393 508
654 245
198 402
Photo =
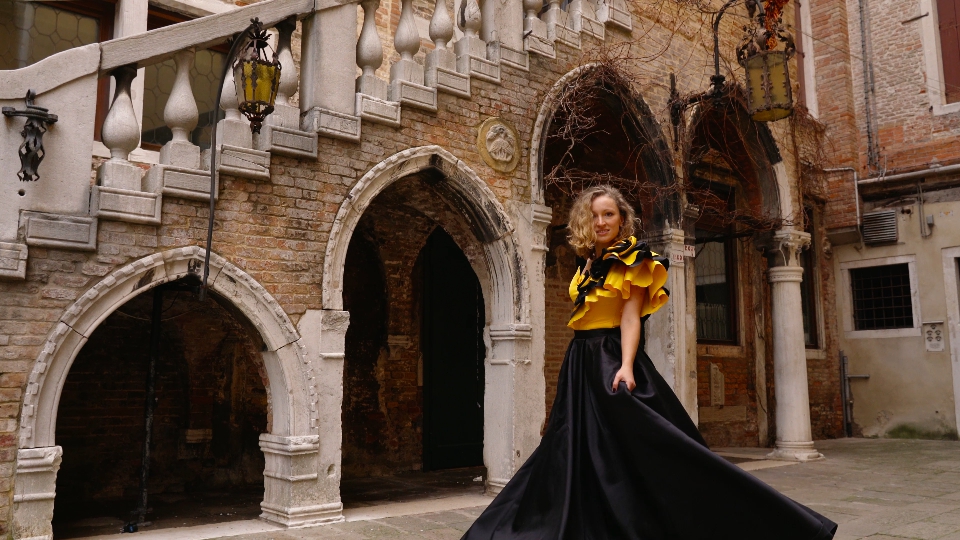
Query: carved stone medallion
499 144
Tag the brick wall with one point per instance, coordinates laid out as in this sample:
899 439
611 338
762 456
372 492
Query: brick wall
277 231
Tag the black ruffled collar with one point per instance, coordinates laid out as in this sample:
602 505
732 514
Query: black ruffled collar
627 251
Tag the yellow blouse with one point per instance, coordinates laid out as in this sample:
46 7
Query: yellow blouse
624 269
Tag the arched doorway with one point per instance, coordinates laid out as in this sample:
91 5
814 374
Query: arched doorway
211 405
291 442
390 214
595 129
732 184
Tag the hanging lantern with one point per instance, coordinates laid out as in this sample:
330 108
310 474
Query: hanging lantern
257 78
769 96
769 93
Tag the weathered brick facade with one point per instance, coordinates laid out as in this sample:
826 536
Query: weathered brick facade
278 232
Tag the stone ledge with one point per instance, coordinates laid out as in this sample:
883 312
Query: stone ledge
13 260
414 95
514 58
286 142
125 205
191 184
332 124
59 231
378 110
243 162
612 12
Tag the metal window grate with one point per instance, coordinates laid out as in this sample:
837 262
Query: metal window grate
881 297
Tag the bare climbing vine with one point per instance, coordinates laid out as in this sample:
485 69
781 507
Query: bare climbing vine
710 155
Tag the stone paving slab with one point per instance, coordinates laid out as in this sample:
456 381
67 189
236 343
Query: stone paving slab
875 489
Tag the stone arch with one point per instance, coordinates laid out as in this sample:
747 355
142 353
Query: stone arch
463 189
759 143
285 359
510 431
655 156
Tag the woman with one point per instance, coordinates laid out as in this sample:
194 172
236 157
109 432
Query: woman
621 458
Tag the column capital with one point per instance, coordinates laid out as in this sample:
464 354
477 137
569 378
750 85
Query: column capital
666 237
778 274
784 246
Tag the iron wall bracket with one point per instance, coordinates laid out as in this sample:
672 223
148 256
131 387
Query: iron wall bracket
31 151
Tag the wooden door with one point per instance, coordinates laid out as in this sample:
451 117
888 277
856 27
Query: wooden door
453 355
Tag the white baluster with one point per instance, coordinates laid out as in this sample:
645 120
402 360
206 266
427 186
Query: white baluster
538 39
121 134
181 115
406 75
119 193
472 58
441 62
532 10
407 38
120 131
551 17
441 25
233 129
285 114
370 53
560 25
469 19
288 69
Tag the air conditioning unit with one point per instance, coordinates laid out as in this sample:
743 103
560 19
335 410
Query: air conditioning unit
880 227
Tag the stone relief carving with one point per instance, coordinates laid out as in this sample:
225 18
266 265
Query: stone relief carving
498 144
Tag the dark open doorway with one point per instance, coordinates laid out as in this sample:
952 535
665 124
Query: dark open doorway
211 407
453 353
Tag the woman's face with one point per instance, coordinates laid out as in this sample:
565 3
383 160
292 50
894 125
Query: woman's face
606 220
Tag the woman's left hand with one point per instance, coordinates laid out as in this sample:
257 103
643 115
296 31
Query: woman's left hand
624 375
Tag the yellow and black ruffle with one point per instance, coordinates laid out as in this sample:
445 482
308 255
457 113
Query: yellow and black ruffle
626 264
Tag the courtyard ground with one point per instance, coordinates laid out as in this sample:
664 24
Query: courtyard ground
876 489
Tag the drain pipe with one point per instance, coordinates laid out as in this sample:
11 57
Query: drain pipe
149 408
873 153
913 175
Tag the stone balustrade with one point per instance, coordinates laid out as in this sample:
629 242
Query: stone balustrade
333 102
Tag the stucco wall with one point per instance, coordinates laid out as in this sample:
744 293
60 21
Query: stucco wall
909 388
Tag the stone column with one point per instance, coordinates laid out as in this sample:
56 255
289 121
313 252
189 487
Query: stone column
794 437
35 488
506 421
302 478
667 334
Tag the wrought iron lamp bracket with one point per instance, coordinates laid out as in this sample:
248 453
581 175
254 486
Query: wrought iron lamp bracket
31 151
717 89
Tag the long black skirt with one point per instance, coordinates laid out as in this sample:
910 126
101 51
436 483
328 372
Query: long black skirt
632 465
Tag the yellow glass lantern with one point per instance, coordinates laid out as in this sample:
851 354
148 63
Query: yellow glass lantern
769 94
257 79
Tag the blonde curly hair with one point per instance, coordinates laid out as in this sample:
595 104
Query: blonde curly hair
581 235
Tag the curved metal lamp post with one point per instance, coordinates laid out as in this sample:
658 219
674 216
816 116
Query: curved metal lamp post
769 94
257 79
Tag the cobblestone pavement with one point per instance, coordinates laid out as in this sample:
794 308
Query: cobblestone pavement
876 489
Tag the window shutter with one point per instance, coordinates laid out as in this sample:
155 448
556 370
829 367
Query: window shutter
947 17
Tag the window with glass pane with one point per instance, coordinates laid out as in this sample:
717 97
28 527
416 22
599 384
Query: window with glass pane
715 308
157 85
808 288
33 31
881 297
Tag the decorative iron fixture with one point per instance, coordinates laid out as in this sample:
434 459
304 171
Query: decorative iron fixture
764 55
257 79
31 151
764 52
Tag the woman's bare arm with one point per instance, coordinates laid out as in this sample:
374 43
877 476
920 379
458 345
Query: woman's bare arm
629 340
